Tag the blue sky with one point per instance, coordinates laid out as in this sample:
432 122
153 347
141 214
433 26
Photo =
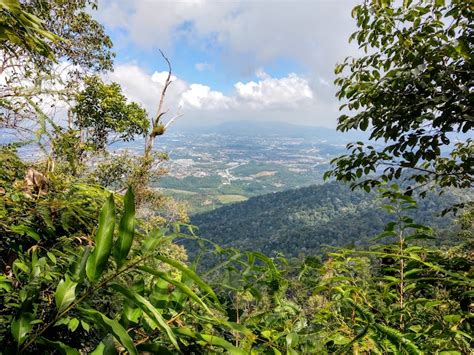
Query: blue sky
257 60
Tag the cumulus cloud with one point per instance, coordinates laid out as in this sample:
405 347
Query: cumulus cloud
287 92
202 97
312 32
146 89
242 36
265 95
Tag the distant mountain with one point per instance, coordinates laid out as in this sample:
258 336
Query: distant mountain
301 221
282 129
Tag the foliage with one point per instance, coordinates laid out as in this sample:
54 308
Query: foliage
30 217
24 30
304 221
412 89
78 280
167 307
132 287
101 110
32 83
400 297
85 44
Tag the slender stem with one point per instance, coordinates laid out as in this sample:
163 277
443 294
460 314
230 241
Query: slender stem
401 239
79 300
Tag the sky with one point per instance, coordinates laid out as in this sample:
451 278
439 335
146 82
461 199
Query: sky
262 60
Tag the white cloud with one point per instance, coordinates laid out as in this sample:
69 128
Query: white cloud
269 92
251 34
160 77
202 97
242 36
268 95
146 89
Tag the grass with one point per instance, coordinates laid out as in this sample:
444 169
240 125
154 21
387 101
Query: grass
231 198
181 192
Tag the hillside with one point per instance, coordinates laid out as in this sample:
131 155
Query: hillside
301 221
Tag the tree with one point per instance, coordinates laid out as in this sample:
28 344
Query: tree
412 90
35 83
102 110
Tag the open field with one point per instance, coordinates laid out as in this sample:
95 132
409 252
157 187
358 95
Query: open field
231 198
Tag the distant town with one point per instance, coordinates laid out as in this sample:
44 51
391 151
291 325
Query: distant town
211 169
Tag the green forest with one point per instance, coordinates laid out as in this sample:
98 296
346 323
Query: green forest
305 220
92 258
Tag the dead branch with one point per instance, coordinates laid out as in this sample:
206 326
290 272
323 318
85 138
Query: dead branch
168 82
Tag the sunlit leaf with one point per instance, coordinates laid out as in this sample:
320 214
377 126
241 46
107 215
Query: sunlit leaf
126 229
65 294
97 261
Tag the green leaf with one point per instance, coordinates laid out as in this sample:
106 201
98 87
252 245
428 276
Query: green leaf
339 339
79 267
73 324
191 274
126 229
114 327
416 328
211 340
97 261
452 318
398 338
65 294
51 257
185 289
5 283
60 346
149 309
85 326
22 326
22 230
105 347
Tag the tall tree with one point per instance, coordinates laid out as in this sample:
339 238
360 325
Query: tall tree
39 74
412 90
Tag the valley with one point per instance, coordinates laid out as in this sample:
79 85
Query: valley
237 160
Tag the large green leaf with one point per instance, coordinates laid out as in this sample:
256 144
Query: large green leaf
65 293
211 340
191 274
114 327
79 267
97 261
21 326
126 229
185 289
149 309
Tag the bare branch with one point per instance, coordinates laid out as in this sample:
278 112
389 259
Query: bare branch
173 119
178 115
168 82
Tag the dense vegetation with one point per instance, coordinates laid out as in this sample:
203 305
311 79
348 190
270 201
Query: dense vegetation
304 220
85 269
